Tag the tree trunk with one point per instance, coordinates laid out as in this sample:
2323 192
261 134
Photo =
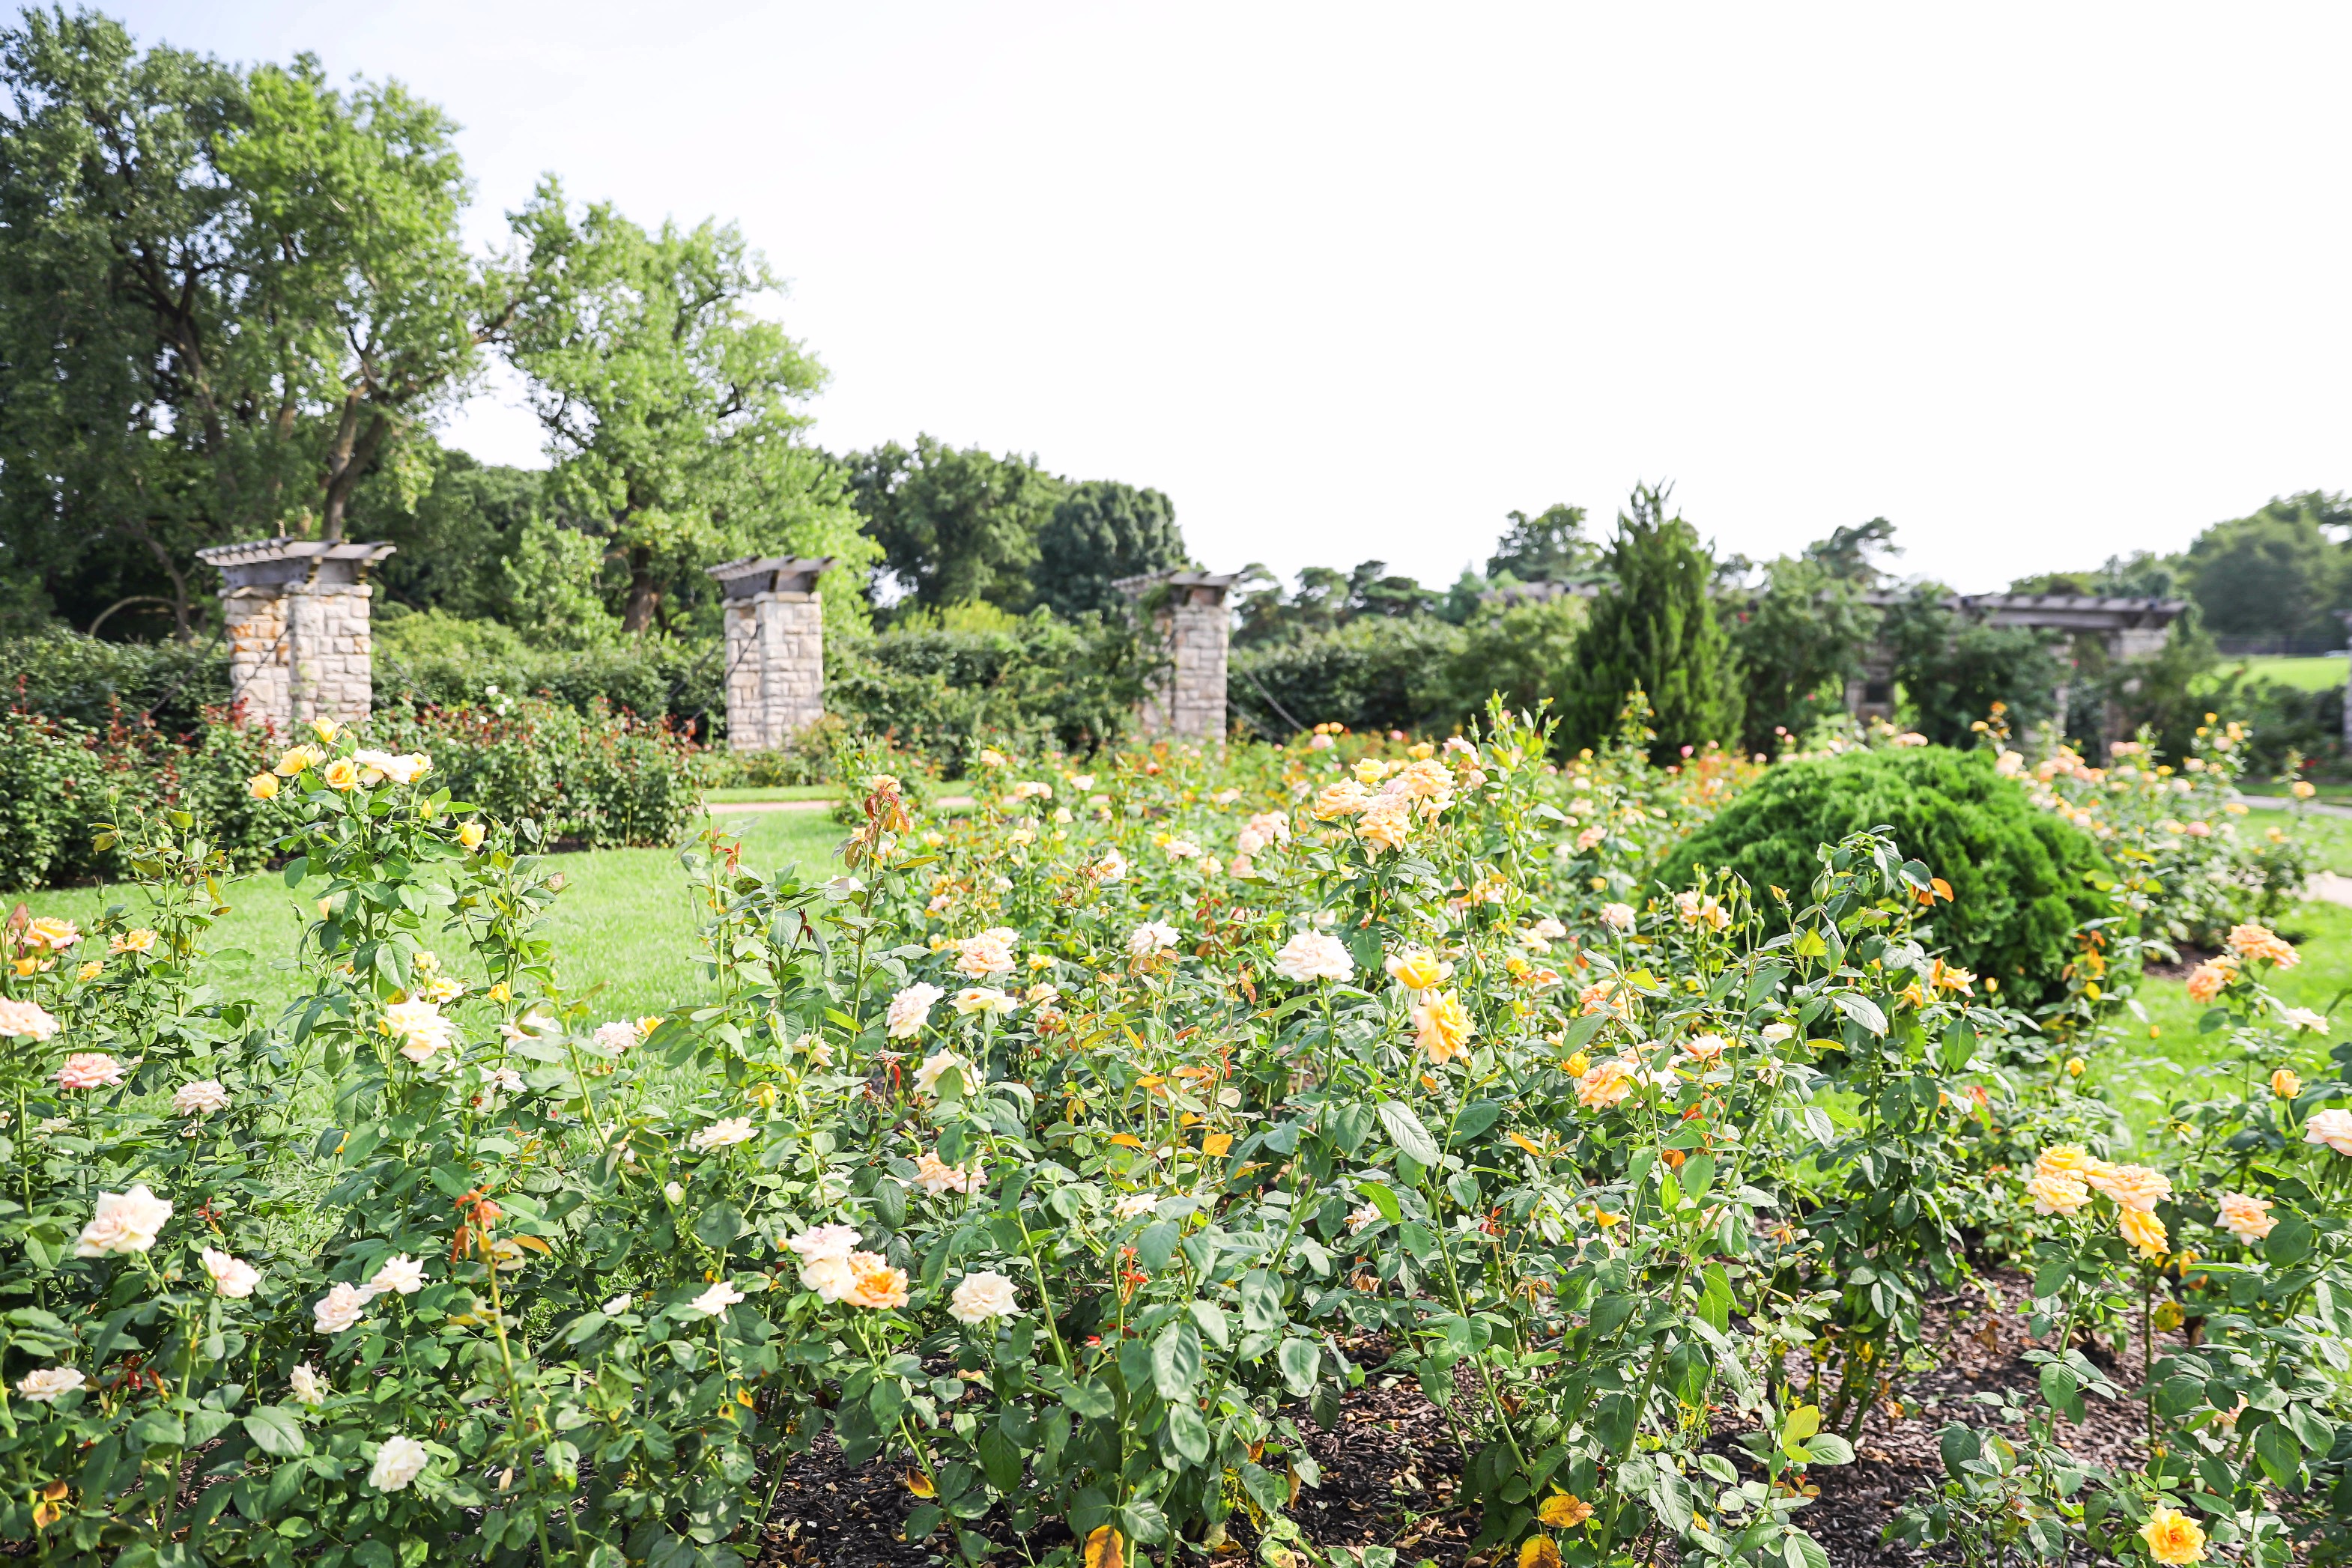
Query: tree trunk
644 597
346 461
182 632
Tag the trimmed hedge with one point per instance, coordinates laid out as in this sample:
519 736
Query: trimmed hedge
2021 879
59 777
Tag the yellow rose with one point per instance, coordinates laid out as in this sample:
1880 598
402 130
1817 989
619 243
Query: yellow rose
470 836
326 729
342 773
90 971
1443 1026
2074 1065
298 760
1417 968
262 786
2145 1231
2173 1537
2285 1084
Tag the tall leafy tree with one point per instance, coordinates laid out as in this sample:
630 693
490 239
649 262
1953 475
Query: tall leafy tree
1653 628
1952 669
456 521
954 526
1548 547
2143 574
1798 640
226 298
1850 555
2276 574
669 402
1101 531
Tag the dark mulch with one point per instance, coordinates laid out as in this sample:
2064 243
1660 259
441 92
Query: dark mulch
1981 1350
2190 957
1391 1468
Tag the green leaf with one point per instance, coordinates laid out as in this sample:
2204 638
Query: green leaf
718 1226
1383 1200
1213 1323
999 1457
1861 1009
1697 1175
1176 1361
1092 1399
1300 1360
1801 1551
2289 1243
2062 1390
1405 1130
1796 1427
274 1431
159 1429
1476 1118
1188 1435
1828 1449
1266 1489
2280 1455
1156 1245
1714 1306
1575 1037
1958 1445
1261 1303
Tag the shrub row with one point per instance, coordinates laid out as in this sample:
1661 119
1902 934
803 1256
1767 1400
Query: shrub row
595 779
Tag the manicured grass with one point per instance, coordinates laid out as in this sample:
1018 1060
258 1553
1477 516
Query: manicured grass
739 793
626 927
2329 836
2173 1054
2305 674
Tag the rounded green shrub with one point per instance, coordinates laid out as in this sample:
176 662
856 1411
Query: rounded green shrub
2022 880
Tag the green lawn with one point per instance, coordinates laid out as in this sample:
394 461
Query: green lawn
624 922
737 794
2304 675
2330 837
2154 1069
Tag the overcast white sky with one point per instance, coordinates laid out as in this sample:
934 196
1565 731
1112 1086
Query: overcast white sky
2039 283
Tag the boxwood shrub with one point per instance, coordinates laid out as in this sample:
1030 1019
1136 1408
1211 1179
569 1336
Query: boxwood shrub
2022 880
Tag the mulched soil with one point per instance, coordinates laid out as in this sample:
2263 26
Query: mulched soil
1391 1468
1980 1352
2190 957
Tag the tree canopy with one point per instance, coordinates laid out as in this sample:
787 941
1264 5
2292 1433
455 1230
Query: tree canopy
1101 531
670 403
226 298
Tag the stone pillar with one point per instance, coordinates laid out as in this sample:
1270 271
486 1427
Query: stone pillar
297 614
776 648
1871 694
1191 617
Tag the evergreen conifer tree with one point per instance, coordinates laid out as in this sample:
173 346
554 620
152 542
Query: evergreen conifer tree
1654 629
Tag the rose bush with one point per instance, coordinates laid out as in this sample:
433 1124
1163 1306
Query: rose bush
1076 1153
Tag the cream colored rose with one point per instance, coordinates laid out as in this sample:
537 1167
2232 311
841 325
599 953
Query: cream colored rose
981 1297
2247 1219
1314 955
232 1277
400 1461
124 1222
